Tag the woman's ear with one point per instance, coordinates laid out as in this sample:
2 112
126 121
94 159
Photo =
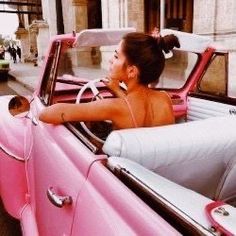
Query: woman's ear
133 72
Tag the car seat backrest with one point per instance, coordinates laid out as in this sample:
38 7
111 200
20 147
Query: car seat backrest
199 155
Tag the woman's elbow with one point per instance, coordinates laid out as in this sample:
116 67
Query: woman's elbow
46 117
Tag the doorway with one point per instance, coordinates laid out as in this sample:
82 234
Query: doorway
178 14
94 14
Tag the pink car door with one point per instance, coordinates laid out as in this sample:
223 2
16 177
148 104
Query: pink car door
57 169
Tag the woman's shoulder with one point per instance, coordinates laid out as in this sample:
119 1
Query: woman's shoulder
161 94
161 98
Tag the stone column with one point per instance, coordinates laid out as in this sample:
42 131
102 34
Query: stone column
123 13
49 15
23 35
114 13
76 19
42 40
119 14
135 9
33 47
204 16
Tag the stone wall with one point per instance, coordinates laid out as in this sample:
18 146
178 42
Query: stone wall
216 19
49 15
123 13
75 15
136 14
114 14
42 41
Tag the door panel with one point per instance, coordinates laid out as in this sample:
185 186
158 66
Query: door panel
58 161
201 108
115 209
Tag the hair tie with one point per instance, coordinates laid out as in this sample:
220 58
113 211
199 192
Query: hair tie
155 33
159 39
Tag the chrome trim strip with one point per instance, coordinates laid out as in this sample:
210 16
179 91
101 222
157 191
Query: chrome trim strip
12 155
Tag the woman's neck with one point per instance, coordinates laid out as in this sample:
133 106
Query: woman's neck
134 86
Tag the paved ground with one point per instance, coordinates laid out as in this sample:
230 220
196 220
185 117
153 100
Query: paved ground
5 89
26 74
8 225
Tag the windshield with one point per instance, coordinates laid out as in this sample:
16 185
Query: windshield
178 67
85 63
93 63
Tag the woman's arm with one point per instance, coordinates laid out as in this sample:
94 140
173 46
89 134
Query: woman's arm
107 109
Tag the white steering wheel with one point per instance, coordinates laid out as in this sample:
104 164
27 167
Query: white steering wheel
96 95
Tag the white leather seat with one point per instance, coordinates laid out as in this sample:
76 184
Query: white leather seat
186 203
199 155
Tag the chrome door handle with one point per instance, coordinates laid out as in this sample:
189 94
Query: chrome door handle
232 111
57 200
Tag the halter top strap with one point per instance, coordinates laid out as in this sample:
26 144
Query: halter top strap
131 112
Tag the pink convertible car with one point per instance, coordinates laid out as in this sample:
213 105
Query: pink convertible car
85 179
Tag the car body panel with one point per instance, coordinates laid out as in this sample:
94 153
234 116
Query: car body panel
28 221
41 164
12 156
66 176
116 211
10 125
13 184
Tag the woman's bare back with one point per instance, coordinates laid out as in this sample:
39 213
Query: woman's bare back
146 108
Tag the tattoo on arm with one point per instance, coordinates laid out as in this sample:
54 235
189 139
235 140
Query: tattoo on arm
62 117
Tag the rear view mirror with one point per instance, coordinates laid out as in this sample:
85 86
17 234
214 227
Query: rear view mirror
19 106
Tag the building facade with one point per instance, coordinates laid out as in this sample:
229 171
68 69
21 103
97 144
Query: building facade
28 12
213 18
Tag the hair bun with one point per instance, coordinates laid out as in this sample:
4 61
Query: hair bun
168 42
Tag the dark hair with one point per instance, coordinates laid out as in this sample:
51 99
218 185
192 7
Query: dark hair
146 52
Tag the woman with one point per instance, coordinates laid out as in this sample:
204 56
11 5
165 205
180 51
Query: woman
137 61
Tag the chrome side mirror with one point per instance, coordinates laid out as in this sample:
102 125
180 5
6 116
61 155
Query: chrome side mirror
19 106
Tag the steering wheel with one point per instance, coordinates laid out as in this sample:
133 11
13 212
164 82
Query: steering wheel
96 95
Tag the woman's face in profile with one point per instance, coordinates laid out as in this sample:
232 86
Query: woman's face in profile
117 69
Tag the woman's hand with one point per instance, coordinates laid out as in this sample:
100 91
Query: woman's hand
114 86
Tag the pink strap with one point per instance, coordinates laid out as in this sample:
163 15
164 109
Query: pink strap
131 112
